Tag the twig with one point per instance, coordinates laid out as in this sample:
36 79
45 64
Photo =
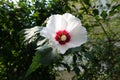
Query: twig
104 30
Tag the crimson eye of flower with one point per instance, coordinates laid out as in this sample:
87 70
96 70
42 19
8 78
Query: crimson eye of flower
62 37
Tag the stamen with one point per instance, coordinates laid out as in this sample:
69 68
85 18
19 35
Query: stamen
63 38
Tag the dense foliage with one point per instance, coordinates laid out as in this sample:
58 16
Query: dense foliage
98 59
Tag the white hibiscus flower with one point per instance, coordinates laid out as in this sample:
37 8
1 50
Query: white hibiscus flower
64 32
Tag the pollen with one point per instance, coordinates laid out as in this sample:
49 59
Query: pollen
63 38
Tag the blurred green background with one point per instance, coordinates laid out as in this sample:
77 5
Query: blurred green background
102 51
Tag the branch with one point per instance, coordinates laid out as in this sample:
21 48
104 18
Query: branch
104 30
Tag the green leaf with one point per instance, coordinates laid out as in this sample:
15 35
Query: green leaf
104 14
46 55
66 66
42 57
87 2
95 12
74 59
115 9
35 64
77 70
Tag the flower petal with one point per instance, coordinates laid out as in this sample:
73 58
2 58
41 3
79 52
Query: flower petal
63 48
78 36
56 22
72 21
45 32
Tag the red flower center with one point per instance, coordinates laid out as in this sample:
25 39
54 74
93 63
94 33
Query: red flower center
62 37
